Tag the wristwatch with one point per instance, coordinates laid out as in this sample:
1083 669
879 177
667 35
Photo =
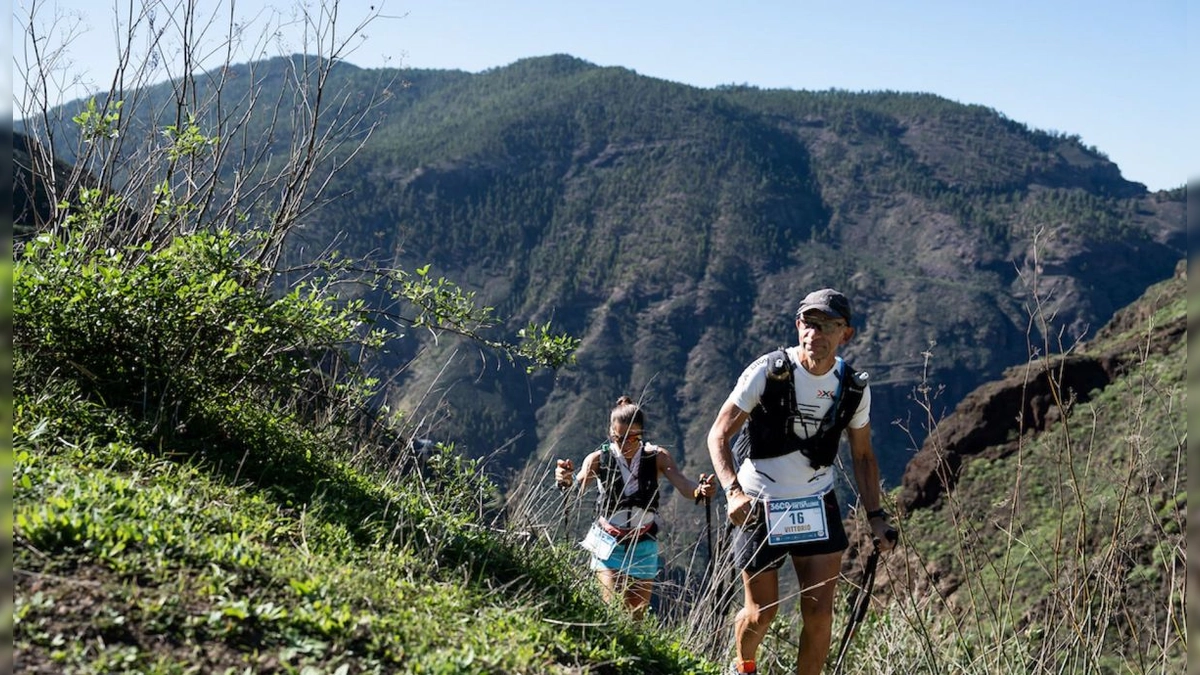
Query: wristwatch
877 513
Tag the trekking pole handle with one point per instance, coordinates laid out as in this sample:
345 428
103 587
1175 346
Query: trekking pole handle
705 481
566 466
892 536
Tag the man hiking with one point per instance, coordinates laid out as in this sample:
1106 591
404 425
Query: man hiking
795 404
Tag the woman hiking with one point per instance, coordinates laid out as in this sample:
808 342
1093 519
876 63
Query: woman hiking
623 538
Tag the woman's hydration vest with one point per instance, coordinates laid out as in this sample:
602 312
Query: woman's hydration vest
769 432
612 497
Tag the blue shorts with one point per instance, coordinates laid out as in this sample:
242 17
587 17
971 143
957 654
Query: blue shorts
639 561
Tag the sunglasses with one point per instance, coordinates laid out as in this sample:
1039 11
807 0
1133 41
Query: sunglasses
822 325
630 437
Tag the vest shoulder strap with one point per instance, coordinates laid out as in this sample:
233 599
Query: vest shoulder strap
779 365
854 382
604 469
780 376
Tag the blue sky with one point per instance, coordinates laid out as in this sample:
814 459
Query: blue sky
1118 74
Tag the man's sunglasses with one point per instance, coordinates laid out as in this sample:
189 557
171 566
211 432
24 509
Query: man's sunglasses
822 325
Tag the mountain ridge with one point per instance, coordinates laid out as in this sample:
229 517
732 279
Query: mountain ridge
673 228
672 231
833 230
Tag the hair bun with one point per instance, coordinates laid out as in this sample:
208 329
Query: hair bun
624 400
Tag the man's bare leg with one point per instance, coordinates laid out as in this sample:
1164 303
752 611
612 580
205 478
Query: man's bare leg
818 582
761 591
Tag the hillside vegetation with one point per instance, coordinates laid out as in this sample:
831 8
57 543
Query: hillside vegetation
189 500
673 229
176 517
1063 542
233 329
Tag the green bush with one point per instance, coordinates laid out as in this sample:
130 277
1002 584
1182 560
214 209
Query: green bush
181 439
160 332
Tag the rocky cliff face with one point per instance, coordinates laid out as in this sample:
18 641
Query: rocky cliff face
1029 398
1052 501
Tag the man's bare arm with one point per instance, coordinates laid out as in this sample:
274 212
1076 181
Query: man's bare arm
866 474
729 420
866 467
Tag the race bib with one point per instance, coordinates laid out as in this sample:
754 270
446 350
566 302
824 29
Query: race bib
793 521
598 542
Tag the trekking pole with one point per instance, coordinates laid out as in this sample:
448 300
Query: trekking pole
708 567
566 507
725 576
860 600
707 529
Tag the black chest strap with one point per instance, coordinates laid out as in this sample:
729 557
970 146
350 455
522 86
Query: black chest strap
613 497
769 432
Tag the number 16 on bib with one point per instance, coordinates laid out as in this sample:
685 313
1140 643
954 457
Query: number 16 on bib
792 521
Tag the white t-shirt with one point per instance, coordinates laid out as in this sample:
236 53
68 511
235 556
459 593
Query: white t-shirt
791 475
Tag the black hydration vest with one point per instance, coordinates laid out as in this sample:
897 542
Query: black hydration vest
613 498
769 433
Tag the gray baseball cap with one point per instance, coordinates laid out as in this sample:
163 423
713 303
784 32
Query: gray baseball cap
826 300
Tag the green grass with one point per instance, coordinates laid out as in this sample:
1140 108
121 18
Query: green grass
194 492
132 560
1067 555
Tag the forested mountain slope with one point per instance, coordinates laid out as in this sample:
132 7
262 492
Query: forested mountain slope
674 229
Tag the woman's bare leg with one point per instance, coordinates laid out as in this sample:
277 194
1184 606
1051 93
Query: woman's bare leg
608 584
637 596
